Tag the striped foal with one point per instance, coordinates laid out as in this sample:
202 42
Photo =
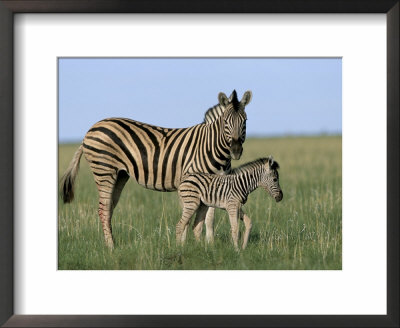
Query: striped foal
199 190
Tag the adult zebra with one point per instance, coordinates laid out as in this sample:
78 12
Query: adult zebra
118 148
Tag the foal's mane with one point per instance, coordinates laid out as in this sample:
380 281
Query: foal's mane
249 165
255 163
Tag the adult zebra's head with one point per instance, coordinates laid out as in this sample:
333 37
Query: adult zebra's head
234 120
270 179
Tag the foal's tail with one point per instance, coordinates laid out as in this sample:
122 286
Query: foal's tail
68 179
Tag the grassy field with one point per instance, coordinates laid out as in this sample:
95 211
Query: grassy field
302 232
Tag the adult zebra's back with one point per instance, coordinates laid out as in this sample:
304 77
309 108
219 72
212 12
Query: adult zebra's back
119 148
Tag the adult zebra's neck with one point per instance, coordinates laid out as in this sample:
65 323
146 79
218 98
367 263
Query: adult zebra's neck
213 113
216 148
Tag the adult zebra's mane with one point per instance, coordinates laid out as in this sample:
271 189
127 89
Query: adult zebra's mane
213 113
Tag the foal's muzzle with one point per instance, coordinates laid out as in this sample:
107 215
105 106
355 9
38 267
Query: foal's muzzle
279 197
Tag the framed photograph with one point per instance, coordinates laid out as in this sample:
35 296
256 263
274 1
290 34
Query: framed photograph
158 159
205 100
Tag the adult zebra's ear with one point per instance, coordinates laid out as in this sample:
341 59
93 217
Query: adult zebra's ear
223 99
246 98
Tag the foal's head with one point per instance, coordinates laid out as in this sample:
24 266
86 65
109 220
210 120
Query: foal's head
270 179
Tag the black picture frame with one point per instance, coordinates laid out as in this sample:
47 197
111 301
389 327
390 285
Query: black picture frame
7 11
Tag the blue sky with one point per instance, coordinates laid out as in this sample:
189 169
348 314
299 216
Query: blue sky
290 96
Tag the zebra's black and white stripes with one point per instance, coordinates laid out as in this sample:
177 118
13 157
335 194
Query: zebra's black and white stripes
156 157
210 116
213 113
230 192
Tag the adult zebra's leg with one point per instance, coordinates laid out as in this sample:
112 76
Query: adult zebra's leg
110 186
187 213
122 179
105 213
105 181
198 222
248 225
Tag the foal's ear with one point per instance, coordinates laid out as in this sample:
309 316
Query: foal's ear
272 163
246 98
223 99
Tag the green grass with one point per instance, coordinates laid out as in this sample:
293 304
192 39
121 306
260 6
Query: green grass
302 232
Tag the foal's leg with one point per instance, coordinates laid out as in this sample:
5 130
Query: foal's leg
184 233
210 225
248 225
233 212
209 220
198 222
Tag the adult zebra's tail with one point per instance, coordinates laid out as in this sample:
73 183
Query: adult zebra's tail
68 179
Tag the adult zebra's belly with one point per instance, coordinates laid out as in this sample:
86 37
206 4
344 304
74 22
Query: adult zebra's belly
158 187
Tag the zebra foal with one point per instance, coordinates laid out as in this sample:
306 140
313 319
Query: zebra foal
197 191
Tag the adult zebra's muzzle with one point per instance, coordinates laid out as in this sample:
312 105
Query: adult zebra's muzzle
236 149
